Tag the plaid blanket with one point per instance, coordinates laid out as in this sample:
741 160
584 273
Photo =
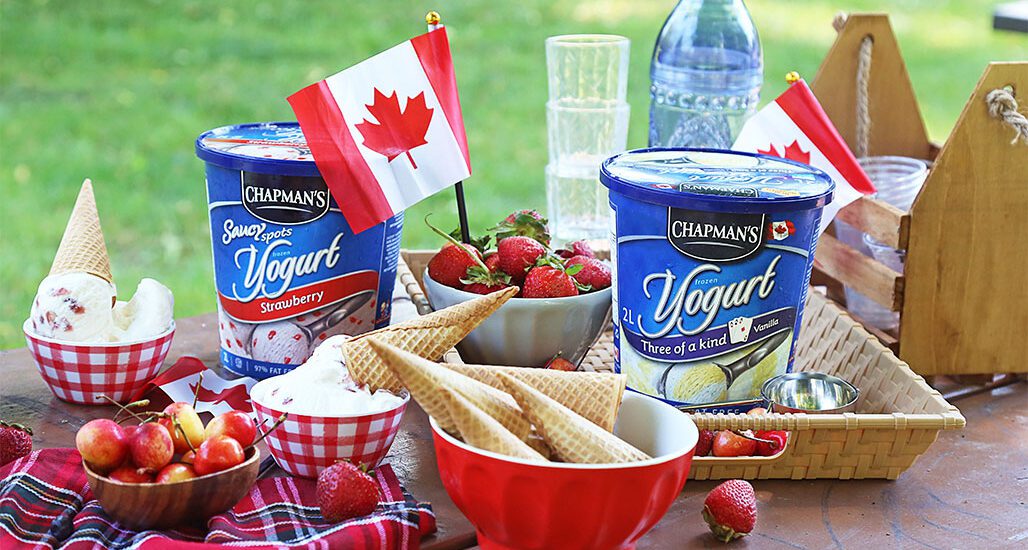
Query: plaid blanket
45 502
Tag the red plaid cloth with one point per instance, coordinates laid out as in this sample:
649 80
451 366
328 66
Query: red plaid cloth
305 445
45 502
81 373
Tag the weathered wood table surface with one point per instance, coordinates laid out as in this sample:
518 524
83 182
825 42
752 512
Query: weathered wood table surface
970 490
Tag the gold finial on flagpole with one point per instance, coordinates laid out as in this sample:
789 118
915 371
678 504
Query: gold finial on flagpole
792 77
432 18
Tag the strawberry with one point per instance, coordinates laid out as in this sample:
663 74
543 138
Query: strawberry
482 288
576 248
559 363
777 439
524 223
492 262
728 443
15 442
451 264
345 491
518 254
548 282
594 273
704 444
731 510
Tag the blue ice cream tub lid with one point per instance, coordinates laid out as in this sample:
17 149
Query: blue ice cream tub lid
716 180
260 147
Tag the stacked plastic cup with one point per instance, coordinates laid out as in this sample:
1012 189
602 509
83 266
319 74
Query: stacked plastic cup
587 121
898 180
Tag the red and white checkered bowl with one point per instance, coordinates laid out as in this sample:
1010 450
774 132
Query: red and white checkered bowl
305 445
81 373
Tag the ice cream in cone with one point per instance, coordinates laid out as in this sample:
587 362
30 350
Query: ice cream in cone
428 336
480 430
593 395
428 383
77 301
572 437
82 248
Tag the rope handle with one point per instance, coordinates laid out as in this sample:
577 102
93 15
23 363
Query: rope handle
1002 105
863 128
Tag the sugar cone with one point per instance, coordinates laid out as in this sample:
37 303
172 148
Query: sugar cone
82 247
428 336
480 430
572 437
428 384
594 395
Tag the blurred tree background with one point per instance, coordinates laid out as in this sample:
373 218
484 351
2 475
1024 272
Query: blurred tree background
118 91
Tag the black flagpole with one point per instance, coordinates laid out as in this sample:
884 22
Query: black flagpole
462 213
434 22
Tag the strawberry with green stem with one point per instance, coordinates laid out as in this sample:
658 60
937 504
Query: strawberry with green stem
731 510
476 277
523 223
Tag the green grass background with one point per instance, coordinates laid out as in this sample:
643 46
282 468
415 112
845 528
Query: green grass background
118 90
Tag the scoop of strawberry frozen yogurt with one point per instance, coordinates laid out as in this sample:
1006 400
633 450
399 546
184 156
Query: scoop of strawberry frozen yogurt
322 387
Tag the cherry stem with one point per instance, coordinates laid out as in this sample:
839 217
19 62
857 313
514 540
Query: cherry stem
196 393
123 408
181 430
277 423
132 405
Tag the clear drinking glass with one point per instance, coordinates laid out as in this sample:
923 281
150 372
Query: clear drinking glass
587 121
898 181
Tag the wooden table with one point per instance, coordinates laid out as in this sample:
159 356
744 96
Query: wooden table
970 490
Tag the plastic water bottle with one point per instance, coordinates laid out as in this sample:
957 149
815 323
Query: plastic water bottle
706 74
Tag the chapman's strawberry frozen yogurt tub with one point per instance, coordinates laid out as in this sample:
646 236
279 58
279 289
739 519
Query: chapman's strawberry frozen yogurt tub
712 252
288 270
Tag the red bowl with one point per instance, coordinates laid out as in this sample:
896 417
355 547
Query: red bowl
515 503
82 372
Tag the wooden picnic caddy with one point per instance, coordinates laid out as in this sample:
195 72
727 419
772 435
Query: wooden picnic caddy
963 298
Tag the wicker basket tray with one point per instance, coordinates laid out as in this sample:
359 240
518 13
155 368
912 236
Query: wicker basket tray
898 415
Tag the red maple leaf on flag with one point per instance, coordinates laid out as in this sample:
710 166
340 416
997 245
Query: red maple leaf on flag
235 396
792 152
396 132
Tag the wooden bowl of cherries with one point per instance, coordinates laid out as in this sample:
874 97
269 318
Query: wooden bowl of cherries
168 469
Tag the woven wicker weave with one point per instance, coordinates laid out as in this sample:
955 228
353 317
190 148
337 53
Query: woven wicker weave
898 415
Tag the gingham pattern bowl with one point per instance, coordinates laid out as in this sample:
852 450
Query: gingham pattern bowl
81 373
305 445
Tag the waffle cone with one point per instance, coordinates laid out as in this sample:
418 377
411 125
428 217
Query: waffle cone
82 247
428 336
428 384
594 395
572 437
480 430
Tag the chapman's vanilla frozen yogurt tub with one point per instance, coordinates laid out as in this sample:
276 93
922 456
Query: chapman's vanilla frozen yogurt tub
288 270
712 252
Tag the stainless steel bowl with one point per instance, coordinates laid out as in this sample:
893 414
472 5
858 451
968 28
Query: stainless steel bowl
809 392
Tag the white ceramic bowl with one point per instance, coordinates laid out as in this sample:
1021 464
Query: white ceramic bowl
527 332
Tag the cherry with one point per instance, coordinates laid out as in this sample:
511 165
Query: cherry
216 454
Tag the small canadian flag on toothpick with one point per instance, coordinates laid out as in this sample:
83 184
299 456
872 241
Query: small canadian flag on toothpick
794 126
388 131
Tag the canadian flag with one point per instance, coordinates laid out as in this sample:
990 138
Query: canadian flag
794 126
189 378
387 132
